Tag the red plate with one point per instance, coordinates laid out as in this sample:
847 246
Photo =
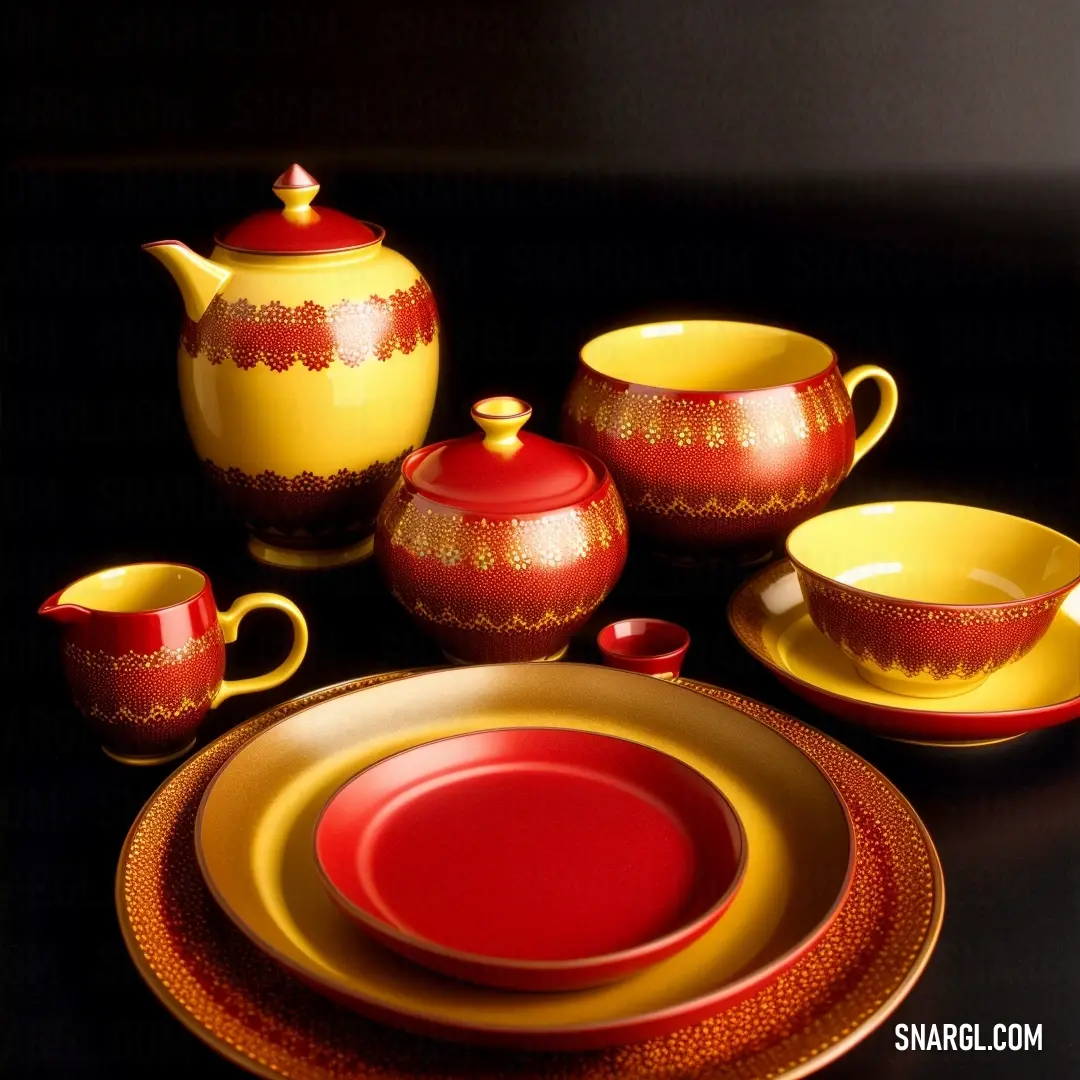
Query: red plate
532 858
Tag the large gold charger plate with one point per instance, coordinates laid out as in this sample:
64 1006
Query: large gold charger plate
254 842
242 1004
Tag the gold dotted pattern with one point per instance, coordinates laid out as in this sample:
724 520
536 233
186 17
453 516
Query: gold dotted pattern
552 540
974 616
156 713
942 642
238 1001
760 420
501 589
723 510
162 695
550 620
131 663
644 434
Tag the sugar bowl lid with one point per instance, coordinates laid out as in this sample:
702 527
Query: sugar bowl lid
299 228
502 470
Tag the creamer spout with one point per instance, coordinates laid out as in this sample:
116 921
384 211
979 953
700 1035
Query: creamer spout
62 613
199 279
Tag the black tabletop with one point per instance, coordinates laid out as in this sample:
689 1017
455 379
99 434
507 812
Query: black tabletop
972 313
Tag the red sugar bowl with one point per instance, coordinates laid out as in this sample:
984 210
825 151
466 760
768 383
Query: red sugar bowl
501 544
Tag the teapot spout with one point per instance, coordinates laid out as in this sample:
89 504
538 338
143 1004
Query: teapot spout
199 279
62 613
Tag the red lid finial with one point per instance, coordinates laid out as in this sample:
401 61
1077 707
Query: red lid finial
295 176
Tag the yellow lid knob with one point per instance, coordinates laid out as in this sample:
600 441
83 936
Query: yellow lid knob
296 188
501 418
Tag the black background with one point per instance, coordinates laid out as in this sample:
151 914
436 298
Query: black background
468 138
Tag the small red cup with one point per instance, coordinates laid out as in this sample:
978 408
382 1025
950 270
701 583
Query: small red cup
647 646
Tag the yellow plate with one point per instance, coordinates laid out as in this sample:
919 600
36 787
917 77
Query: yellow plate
254 840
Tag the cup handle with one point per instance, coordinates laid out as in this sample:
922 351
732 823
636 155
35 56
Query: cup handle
229 621
886 410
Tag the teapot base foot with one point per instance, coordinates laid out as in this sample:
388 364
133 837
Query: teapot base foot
147 759
295 559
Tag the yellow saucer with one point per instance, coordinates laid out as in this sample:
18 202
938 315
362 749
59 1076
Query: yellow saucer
254 842
768 615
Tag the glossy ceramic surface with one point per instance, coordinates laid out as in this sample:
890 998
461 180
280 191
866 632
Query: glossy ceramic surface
720 436
769 617
255 826
299 228
532 858
503 469
929 599
308 364
227 993
648 646
501 544
144 654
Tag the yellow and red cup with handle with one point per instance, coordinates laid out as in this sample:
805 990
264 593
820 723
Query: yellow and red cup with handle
721 436
144 654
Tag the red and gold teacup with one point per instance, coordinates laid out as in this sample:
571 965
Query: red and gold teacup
929 599
144 655
720 436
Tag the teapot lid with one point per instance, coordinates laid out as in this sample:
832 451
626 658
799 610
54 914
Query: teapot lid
300 228
501 470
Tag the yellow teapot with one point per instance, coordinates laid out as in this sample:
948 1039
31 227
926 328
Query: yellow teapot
309 360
